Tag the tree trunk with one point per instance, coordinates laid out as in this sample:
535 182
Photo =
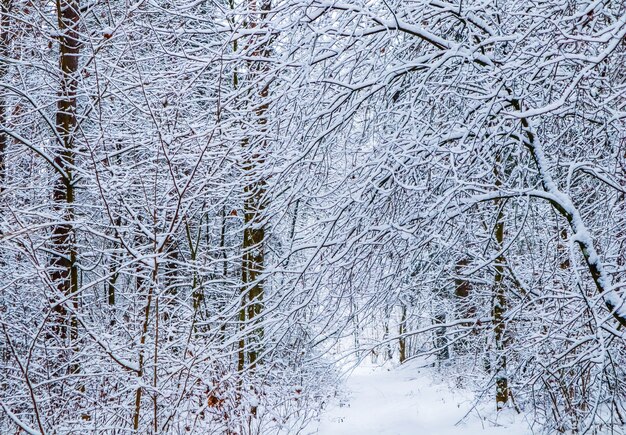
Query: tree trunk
463 302
64 273
401 332
142 342
253 246
441 340
500 307
5 23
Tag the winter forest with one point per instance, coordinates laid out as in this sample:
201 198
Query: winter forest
211 209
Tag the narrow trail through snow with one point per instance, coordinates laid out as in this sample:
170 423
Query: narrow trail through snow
405 401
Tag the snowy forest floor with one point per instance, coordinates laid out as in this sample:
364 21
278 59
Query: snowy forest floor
409 400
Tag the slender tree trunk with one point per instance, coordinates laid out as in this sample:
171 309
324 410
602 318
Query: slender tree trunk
441 341
499 309
253 265
170 277
196 290
253 248
223 244
113 280
64 273
464 307
5 25
114 270
387 351
356 328
142 343
401 332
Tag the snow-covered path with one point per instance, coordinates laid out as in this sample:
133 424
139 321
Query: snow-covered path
405 401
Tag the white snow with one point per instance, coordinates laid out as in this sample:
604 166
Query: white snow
407 400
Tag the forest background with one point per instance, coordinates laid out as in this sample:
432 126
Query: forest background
204 205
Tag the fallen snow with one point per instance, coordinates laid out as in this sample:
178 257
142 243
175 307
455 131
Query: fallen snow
407 400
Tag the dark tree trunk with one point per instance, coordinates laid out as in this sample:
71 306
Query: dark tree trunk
500 305
63 270
5 25
401 332
253 247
